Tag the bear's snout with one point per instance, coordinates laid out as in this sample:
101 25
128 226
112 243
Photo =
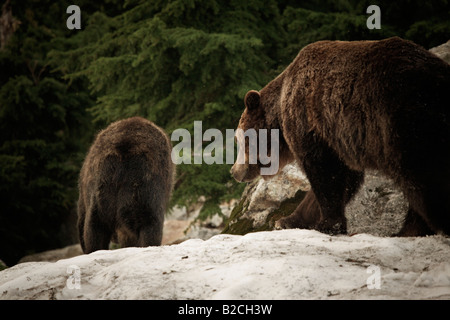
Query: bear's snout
239 172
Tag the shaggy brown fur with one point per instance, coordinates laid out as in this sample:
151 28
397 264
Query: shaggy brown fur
343 107
125 185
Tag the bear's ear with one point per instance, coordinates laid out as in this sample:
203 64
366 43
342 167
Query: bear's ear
252 99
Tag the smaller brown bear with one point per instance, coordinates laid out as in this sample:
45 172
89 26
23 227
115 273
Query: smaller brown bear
125 185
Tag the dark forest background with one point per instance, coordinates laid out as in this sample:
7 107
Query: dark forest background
172 62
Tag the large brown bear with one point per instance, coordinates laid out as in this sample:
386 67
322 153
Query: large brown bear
343 107
125 185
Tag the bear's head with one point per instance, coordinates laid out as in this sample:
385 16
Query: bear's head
262 150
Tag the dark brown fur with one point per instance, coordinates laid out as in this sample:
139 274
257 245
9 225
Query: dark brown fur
343 107
125 185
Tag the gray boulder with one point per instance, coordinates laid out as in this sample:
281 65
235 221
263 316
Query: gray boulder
378 208
54 255
442 51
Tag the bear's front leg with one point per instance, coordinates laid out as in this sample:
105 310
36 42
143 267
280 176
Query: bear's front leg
414 226
333 185
306 216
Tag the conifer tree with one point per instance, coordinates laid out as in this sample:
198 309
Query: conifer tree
177 62
43 132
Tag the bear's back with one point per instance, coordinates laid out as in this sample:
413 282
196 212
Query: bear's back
130 146
363 96
128 138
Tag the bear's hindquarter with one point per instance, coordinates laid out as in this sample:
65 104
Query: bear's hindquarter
130 176
366 99
131 189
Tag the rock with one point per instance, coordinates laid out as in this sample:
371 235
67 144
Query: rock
197 231
378 208
183 223
54 255
263 202
174 230
204 229
442 51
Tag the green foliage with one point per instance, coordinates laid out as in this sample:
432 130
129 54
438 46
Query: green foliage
240 222
42 124
172 62
178 62
169 66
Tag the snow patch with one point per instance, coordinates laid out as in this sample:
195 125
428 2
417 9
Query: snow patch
437 276
284 264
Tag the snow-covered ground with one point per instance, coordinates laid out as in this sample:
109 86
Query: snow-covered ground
285 264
